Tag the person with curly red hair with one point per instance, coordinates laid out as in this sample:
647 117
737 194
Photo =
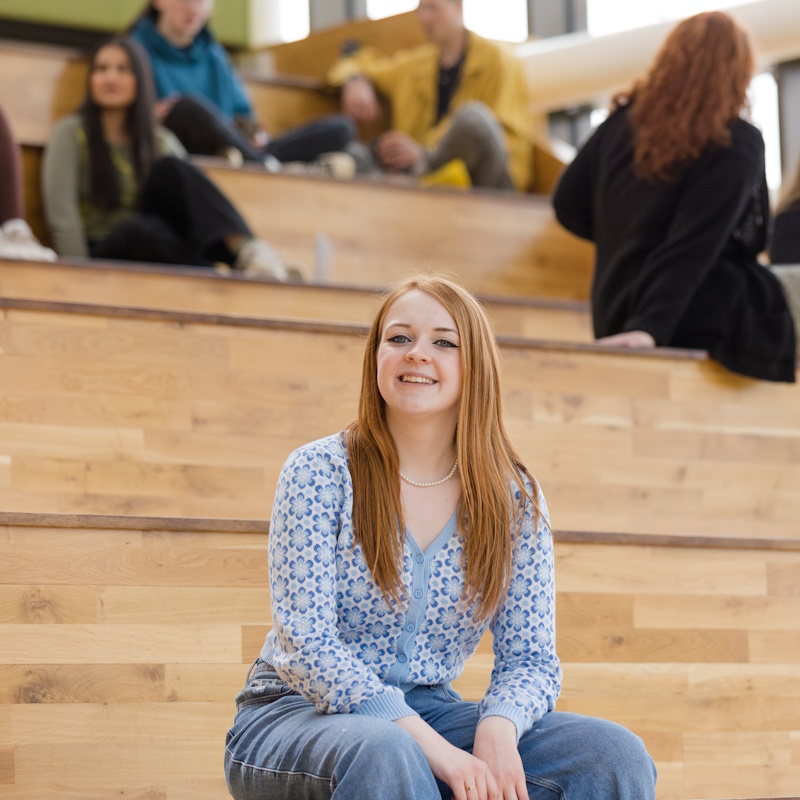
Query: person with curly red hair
671 188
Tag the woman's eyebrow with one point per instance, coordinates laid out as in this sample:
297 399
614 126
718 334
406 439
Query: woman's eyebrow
406 325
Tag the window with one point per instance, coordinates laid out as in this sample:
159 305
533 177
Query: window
378 9
612 16
293 20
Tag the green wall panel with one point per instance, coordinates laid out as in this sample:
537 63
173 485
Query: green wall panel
231 20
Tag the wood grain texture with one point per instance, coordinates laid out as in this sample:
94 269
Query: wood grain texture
136 701
202 291
163 418
494 243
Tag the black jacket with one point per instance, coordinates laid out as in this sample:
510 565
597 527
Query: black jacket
678 260
785 248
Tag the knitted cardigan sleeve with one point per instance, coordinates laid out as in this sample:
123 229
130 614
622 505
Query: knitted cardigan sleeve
314 494
526 679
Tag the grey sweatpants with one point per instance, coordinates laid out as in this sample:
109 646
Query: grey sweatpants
475 136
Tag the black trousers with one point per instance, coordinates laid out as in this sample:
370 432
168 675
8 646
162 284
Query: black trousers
203 132
183 219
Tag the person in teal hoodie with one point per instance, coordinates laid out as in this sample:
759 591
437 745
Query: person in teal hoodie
203 100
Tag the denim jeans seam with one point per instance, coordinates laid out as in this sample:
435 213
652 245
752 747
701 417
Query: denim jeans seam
271 771
544 783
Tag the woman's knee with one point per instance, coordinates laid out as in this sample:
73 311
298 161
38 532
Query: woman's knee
314 755
618 760
388 751
588 757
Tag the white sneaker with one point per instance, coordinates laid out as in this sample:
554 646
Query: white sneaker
341 166
17 241
257 259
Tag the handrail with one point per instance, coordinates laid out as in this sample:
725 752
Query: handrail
579 68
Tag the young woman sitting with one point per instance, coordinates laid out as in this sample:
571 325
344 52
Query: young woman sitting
116 186
393 546
671 189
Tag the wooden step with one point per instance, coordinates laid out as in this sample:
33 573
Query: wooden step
126 639
203 291
173 414
494 243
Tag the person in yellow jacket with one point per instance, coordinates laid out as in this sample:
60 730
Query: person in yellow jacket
457 97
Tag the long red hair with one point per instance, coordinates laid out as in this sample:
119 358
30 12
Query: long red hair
488 465
695 88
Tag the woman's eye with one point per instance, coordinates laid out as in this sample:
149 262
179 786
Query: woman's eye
445 343
399 338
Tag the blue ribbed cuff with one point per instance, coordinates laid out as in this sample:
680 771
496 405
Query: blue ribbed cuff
387 705
508 711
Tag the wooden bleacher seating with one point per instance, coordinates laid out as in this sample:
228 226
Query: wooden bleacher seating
143 391
493 243
125 641
203 291
176 414
527 251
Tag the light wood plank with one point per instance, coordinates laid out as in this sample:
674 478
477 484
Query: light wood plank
705 780
48 604
738 747
70 684
121 644
138 605
37 725
732 612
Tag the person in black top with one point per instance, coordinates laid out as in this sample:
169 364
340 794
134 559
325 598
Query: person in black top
671 189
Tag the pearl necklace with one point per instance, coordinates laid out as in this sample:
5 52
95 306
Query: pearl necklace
432 483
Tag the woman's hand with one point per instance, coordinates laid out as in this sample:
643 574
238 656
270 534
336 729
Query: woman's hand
360 101
164 106
468 777
496 746
628 339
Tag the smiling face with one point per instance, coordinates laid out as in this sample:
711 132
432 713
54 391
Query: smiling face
181 20
419 359
112 80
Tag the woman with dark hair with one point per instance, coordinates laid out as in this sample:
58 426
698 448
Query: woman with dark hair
116 186
671 189
203 100
394 545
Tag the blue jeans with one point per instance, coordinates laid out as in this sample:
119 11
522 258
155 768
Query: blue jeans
280 748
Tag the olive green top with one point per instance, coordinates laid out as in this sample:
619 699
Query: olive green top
72 217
